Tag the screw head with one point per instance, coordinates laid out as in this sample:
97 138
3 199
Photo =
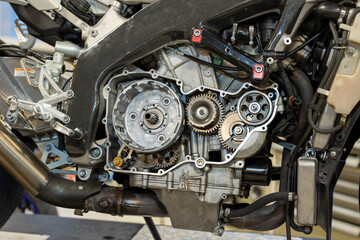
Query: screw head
197 32
351 51
82 173
66 119
238 130
46 116
48 147
200 162
259 69
254 107
69 94
94 33
287 41
95 152
81 187
104 203
310 153
333 154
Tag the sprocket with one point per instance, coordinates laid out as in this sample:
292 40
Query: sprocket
204 113
232 131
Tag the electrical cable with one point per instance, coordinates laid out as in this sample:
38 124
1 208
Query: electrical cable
210 64
292 52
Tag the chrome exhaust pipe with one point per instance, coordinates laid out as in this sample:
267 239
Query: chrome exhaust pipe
30 172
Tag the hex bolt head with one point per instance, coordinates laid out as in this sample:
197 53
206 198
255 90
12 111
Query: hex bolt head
238 130
95 152
82 173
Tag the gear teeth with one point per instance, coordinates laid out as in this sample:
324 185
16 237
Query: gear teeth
223 142
218 106
165 164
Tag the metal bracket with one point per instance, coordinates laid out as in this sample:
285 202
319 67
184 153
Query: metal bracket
256 69
49 150
49 89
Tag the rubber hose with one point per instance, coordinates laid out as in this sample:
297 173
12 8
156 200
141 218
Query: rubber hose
234 213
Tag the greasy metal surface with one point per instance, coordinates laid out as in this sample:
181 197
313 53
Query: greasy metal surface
116 50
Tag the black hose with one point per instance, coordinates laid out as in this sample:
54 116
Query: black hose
292 52
303 84
261 202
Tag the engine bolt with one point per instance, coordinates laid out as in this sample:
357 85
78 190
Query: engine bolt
104 203
197 32
200 162
258 69
95 152
94 33
333 154
118 161
69 94
66 119
238 130
82 173
202 112
48 147
287 41
254 108
351 51
310 153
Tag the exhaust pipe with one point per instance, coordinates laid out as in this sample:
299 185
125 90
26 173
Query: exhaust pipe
31 173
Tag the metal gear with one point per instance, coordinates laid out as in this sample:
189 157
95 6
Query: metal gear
164 159
204 113
254 108
232 131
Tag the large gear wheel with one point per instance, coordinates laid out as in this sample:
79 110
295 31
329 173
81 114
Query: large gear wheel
204 113
164 159
232 131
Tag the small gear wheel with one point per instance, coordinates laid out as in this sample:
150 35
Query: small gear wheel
232 131
204 113
164 159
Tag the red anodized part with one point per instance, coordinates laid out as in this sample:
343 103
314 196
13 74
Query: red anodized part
258 71
197 34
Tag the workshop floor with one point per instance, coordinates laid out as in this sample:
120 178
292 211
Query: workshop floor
45 227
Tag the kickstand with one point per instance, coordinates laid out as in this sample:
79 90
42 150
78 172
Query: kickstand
152 228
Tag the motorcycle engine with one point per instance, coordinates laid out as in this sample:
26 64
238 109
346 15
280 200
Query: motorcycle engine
189 133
